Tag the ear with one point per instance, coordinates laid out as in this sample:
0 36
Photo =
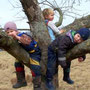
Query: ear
46 16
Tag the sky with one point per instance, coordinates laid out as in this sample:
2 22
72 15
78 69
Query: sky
10 12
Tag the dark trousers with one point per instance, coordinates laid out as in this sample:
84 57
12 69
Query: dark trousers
52 64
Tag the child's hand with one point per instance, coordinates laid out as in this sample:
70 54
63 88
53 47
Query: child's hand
80 59
24 39
62 31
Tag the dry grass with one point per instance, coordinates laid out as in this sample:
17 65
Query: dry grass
80 73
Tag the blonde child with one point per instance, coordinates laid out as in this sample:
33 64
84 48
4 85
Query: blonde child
49 16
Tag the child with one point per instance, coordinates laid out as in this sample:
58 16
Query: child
57 54
30 45
49 16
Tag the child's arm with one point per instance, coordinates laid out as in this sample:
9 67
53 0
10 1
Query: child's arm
53 27
24 39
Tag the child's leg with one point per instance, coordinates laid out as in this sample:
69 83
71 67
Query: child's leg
51 67
66 72
20 73
51 64
36 71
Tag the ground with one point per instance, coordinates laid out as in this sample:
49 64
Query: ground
80 73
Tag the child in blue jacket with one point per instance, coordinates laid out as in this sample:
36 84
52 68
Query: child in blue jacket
31 46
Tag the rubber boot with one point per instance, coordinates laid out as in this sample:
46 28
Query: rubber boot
49 85
21 82
66 72
37 83
67 79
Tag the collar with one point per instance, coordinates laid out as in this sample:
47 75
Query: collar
71 34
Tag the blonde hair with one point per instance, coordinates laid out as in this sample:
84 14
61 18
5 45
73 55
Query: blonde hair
47 11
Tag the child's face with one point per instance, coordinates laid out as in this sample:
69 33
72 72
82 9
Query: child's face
11 32
50 16
77 38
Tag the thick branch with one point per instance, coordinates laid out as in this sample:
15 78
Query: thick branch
79 23
13 48
79 50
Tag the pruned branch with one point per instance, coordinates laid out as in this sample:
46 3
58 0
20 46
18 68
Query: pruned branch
60 18
13 48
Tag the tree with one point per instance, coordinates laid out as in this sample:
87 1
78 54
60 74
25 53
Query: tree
40 33
34 15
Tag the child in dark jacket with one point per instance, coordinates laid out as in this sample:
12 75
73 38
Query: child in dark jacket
31 46
57 54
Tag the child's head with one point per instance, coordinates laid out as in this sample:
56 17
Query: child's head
10 27
81 35
48 14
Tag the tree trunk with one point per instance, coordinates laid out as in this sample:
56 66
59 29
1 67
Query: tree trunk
37 27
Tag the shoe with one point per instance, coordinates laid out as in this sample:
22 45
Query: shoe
20 84
49 85
37 88
69 81
37 83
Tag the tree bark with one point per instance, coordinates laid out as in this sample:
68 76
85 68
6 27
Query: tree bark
38 27
79 50
13 48
79 23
